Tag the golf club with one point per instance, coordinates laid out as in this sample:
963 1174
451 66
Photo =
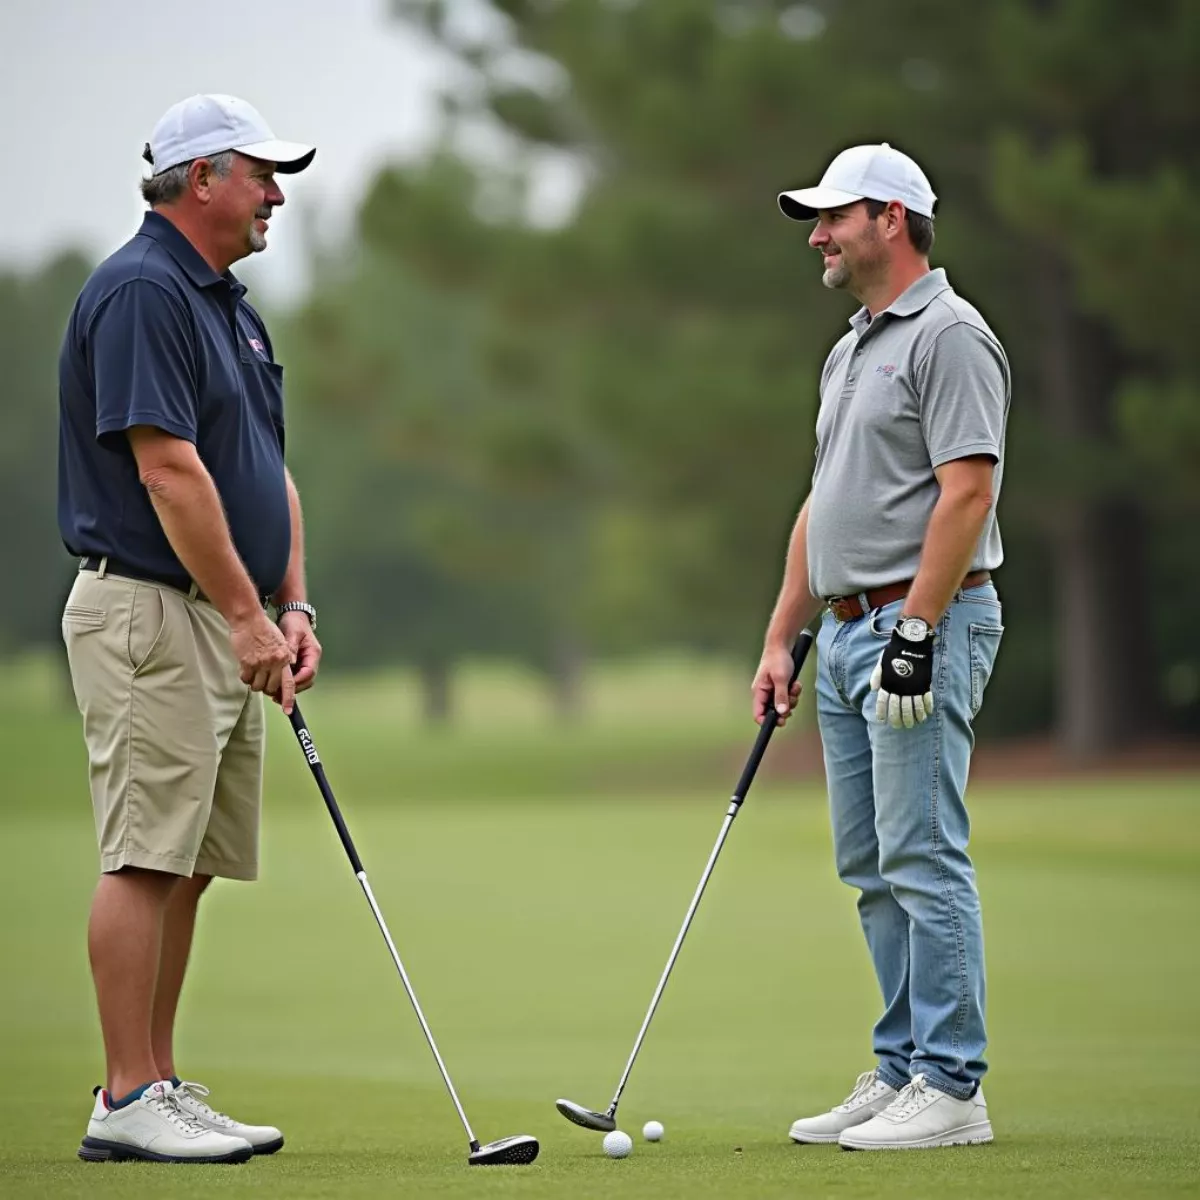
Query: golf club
605 1122
513 1151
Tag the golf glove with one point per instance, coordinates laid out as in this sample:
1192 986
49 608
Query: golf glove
903 678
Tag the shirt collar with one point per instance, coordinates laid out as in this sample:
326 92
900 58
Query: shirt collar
914 299
177 245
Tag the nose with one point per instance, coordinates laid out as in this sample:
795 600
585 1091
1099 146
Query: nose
274 195
819 236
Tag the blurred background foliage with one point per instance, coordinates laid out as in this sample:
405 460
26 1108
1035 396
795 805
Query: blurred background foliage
559 443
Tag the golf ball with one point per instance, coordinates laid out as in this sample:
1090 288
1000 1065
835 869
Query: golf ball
652 1131
617 1144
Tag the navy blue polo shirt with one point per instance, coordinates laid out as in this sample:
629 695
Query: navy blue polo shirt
158 338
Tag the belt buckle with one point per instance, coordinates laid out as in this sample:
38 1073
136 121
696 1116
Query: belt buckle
832 603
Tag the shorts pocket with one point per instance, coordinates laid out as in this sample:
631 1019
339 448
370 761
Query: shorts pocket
985 644
147 624
81 616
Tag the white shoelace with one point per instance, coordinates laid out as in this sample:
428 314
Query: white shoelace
910 1100
167 1105
863 1086
197 1092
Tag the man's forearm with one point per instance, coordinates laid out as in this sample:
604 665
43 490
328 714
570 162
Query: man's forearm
294 586
190 512
796 605
950 541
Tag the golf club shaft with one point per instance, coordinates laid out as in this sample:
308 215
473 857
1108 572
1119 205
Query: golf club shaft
318 771
770 720
662 983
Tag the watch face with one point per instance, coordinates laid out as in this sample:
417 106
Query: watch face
913 629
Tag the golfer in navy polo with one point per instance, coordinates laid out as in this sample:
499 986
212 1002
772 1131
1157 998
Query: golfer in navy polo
174 495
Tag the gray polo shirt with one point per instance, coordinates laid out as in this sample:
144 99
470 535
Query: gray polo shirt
920 384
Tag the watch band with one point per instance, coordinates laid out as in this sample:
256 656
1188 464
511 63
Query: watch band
300 606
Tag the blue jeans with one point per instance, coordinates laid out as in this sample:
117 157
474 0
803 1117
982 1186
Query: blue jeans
900 832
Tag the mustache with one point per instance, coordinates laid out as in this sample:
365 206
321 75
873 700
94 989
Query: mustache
264 213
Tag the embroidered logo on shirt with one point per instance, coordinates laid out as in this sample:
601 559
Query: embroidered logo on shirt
257 347
887 370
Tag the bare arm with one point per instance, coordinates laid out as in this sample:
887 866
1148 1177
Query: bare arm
796 605
301 637
293 586
794 609
952 535
189 508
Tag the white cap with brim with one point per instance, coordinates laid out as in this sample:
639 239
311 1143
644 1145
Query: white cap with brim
202 126
863 173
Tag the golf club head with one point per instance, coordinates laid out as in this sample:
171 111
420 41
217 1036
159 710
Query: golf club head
585 1117
515 1151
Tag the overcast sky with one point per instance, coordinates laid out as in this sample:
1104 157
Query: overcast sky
84 82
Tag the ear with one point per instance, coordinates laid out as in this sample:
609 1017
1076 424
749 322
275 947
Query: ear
894 219
201 178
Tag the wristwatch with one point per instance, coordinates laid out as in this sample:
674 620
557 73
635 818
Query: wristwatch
912 629
300 606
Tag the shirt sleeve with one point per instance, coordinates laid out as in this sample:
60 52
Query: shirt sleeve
964 395
143 357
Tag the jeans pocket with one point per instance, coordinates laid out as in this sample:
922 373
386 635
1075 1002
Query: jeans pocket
882 621
985 644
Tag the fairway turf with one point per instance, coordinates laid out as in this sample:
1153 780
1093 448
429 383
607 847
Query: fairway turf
534 919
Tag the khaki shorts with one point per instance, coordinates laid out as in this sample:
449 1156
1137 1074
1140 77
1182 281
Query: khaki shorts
174 737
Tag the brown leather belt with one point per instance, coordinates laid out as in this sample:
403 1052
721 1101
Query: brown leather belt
851 608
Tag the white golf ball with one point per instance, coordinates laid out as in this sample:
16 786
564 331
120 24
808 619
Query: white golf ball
652 1131
617 1144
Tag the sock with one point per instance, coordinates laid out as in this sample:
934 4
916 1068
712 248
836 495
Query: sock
176 1081
113 1102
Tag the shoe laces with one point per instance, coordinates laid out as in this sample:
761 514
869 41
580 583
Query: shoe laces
910 1099
196 1093
166 1105
863 1086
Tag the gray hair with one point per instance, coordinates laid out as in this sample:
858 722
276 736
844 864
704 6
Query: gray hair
167 186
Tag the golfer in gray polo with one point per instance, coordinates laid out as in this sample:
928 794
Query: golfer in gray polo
894 548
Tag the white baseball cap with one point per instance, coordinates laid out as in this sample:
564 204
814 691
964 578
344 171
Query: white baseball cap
202 126
863 173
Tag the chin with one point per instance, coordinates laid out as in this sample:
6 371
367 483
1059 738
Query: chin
836 278
258 243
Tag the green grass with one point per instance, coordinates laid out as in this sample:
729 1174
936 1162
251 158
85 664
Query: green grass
534 889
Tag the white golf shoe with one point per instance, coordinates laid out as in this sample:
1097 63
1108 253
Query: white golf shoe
263 1139
155 1128
922 1118
870 1096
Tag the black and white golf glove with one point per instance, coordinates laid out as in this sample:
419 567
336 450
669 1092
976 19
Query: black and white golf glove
903 677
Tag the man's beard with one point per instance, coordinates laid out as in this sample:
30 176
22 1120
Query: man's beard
258 241
871 263
836 277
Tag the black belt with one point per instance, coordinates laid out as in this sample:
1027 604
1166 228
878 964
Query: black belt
114 566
